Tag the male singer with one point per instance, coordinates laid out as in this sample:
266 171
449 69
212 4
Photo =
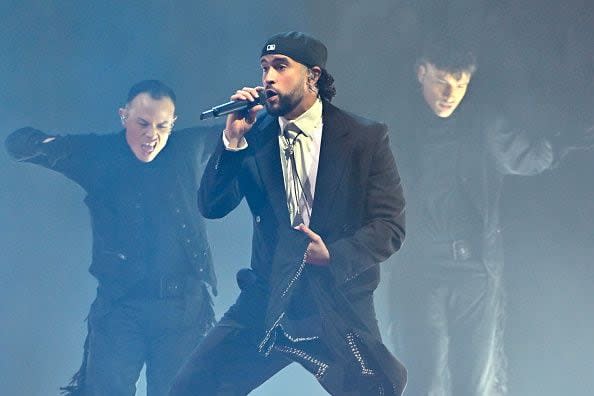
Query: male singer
327 207
150 253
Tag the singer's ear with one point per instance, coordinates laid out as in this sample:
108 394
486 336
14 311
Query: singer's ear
314 73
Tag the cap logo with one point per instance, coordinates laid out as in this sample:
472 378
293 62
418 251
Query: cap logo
270 47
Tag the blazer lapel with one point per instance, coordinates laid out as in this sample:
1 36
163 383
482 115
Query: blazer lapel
267 157
335 150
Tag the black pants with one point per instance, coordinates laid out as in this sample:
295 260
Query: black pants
227 361
448 319
135 331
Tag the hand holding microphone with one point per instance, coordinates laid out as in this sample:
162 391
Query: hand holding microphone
241 112
233 105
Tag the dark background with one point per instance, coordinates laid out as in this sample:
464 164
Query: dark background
66 66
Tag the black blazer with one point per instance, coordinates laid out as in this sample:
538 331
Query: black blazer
358 210
358 206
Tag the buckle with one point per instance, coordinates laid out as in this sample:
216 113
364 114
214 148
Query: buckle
171 287
461 250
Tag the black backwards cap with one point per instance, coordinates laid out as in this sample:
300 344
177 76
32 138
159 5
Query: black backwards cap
301 47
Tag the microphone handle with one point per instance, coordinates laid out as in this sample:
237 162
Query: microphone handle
233 106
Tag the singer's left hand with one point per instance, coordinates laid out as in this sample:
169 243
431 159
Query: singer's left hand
317 252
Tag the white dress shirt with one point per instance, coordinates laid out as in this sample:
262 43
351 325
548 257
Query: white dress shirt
307 149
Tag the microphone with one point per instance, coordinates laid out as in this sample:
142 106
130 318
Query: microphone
233 106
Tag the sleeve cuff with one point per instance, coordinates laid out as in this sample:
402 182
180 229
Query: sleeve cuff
242 144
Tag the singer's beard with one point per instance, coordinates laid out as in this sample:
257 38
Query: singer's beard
285 104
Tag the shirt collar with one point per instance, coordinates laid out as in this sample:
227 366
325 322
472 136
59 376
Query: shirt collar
307 122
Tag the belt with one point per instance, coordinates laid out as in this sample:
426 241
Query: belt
170 286
457 250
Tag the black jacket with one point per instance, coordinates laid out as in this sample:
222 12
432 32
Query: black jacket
104 166
358 210
485 148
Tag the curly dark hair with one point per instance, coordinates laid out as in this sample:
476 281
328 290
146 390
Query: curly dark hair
325 86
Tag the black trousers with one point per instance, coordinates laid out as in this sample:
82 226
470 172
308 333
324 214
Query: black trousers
227 361
158 332
448 323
